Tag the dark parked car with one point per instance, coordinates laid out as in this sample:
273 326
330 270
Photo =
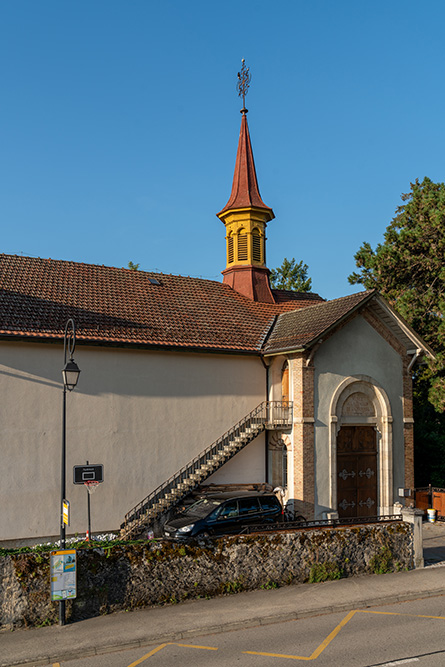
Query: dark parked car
222 515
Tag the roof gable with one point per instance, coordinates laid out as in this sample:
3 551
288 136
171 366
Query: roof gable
299 330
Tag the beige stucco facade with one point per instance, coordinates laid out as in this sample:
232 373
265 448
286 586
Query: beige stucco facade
357 376
357 364
142 414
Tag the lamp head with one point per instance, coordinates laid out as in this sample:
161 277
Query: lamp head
70 374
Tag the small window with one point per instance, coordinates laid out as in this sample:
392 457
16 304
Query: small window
269 503
248 506
154 281
229 510
277 452
242 246
284 467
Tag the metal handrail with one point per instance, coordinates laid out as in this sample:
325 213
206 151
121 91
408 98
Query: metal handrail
319 523
430 489
267 414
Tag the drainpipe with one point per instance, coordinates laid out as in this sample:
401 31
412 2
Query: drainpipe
266 432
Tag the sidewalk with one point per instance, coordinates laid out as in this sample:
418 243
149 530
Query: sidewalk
43 646
434 543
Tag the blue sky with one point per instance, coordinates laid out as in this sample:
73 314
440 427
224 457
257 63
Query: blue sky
119 124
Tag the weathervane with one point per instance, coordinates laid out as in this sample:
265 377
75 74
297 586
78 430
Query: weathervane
243 84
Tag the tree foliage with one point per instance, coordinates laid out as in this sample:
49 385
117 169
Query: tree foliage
291 276
133 267
408 269
429 438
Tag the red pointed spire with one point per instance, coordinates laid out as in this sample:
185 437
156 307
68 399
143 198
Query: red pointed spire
245 190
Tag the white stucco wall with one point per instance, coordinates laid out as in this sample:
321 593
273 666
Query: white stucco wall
356 349
143 414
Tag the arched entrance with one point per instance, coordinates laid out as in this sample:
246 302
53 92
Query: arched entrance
361 449
357 471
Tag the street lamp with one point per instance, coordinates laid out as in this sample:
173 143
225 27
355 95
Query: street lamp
70 374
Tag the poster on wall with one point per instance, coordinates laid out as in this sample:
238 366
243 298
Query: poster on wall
63 575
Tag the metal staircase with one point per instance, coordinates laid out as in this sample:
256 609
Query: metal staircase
268 415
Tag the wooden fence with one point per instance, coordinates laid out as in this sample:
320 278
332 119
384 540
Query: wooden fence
431 497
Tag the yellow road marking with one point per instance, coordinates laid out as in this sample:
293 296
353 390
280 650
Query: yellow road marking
318 650
161 646
332 635
206 648
395 613
279 655
147 655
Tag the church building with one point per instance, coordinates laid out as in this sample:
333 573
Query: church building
186 381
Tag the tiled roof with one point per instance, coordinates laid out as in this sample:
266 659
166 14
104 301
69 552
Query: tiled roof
289 298
301 328
124 307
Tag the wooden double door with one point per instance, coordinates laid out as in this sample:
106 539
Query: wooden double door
357 471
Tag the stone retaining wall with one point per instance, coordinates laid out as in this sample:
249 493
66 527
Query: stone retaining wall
159 572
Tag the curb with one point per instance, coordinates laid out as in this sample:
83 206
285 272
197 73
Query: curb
224 627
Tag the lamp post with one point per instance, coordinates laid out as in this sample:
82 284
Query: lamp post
70 374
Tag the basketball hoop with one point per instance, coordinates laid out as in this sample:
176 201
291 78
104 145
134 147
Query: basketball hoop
91 486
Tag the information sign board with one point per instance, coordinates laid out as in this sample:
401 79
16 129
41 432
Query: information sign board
63 574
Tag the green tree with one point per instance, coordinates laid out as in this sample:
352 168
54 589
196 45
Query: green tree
291 276
408 269
133 267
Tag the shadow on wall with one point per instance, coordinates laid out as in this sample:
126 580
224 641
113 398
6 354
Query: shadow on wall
128 371
296 509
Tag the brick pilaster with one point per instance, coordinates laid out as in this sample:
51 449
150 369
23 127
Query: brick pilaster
303 436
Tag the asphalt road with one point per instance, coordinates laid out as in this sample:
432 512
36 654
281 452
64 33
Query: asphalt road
408 633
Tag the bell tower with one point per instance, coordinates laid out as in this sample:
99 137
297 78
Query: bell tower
245 217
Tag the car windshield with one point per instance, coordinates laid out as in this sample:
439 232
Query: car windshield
203 507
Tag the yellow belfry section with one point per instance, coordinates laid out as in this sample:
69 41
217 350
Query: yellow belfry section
245 236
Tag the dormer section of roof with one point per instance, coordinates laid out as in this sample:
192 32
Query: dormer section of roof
245 217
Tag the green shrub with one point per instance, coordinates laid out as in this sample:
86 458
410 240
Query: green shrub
324 572
381 563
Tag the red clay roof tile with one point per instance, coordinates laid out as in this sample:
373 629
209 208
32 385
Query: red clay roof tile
300 329
122 307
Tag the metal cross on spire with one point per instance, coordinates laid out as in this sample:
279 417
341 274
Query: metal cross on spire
243 84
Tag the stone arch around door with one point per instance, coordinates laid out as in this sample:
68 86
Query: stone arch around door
359 401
